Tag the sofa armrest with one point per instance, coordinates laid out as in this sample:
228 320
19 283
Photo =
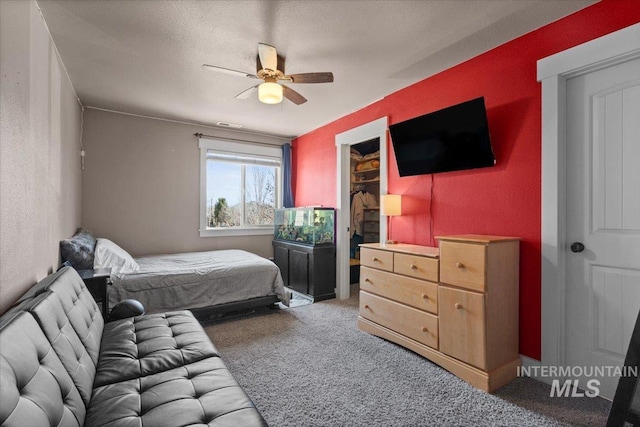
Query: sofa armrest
126 308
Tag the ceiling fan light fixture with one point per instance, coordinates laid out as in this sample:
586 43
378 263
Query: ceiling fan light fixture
270 93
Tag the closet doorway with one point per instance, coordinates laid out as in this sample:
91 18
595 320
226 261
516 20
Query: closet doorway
364 196
376 129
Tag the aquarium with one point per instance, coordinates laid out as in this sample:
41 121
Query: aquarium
309 226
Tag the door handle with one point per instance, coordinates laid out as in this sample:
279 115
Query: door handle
577 247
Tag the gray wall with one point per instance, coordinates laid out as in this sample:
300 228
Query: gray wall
141 185
39 151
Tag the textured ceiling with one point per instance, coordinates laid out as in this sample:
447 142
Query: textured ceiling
145 57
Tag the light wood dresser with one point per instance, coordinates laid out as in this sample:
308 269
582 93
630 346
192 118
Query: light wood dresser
457 305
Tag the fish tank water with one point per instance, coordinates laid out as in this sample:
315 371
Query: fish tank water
310 226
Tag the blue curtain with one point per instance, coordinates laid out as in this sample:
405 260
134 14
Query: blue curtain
287 194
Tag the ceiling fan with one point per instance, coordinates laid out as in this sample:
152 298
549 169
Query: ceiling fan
270 68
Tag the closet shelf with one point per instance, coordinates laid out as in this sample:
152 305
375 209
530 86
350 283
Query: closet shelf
361 172
366 181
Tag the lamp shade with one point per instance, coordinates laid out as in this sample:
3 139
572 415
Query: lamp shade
391 204
270 93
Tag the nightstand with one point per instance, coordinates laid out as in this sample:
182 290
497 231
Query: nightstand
97 281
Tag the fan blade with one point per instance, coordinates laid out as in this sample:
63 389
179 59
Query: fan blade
228 71
293 96
268 56
310 78
247 93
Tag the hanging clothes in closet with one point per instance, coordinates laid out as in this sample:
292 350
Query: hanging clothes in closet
361 200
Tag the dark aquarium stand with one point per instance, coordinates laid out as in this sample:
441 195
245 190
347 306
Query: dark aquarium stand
307 269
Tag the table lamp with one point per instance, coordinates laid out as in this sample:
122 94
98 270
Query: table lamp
390 206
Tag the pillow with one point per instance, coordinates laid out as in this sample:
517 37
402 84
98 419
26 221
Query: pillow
108 254
79 249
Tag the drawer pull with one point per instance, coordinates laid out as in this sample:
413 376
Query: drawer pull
366 306
457 305
424 329
368 280
459 265
425 296
413 267
374 259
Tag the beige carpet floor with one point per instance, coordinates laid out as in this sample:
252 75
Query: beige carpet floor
311 366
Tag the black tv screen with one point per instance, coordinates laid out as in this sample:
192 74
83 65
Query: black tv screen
450 139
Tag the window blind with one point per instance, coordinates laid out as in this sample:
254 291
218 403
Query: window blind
243 159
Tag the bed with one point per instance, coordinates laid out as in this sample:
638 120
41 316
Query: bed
197 280
207 283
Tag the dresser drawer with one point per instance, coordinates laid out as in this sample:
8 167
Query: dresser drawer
462 325
416 293
416 266
463 265
408 321
376 258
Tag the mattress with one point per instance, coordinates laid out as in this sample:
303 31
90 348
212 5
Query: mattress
197 280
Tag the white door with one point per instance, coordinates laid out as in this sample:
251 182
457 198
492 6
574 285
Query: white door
603 214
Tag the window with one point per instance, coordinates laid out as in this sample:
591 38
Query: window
240 188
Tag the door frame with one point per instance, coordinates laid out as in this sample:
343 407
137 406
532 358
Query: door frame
344 141
553 72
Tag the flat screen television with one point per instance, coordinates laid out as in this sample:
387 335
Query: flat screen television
454 138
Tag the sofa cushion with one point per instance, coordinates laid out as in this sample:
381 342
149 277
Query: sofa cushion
36 388
48 311
71 321
202 393
149 344
80 308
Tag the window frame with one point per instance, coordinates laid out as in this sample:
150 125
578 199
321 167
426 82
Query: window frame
241 148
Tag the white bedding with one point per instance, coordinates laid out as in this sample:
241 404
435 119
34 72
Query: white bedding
197 280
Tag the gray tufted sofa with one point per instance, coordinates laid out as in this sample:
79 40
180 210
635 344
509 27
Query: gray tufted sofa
61 365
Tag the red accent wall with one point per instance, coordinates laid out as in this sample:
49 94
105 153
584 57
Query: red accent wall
503 200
